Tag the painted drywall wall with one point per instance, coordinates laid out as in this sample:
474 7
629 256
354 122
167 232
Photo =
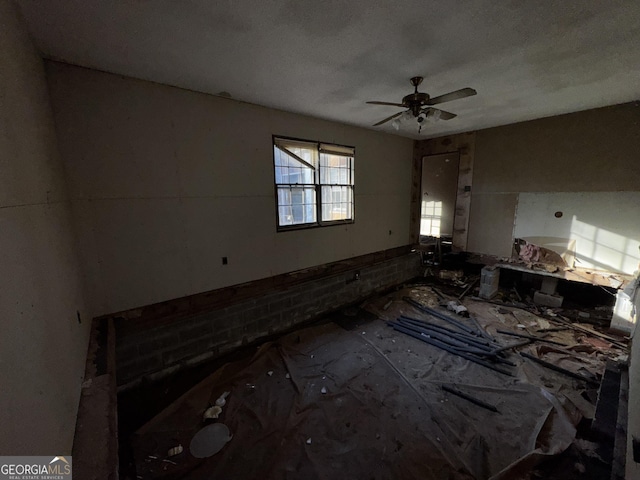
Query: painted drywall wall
590 151
165 182
603 226
42 345
491 223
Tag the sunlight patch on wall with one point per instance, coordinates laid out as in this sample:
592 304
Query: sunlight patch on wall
604 225
601 249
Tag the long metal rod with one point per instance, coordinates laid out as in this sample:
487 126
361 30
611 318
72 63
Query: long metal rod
462 335
439 315
481 329
465 353
531 337
573 326
469 398
440 345
466 290
554 329
453 342
447 331
559 369
513 345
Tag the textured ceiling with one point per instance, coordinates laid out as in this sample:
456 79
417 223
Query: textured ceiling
326 58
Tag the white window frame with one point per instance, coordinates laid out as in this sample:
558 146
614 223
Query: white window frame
317 186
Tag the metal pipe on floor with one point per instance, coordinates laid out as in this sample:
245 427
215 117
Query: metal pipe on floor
439 315
471 338
466 290
513 345
453 342
479 350
446 331
560 369
469 398
531 337
440 345
434 328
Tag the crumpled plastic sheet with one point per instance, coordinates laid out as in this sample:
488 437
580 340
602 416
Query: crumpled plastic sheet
384 414
531 253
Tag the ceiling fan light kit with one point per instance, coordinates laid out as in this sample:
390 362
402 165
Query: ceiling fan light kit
420 106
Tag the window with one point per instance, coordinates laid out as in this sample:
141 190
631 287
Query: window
430 218
314 183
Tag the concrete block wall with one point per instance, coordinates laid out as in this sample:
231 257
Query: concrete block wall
158 351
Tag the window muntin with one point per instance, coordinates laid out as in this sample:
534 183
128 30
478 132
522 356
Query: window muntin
430 219
314 183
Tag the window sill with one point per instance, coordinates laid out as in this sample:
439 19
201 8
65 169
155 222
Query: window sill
307 226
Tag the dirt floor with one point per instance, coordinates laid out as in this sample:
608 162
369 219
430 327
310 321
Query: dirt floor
352 397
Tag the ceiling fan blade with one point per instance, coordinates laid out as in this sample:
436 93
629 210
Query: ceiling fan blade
446 115
388 118
441 114
386 103
448 97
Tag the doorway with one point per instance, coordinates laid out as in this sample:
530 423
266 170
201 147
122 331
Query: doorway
438 193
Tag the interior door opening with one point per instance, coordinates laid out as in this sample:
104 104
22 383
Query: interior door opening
438 195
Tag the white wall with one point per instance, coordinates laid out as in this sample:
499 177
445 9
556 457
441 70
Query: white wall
166 181
604 225
42 345
571 155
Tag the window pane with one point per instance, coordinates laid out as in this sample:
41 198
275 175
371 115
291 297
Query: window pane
326 211
277 156
337 203
430 218
284 196
296 205
335 169
306 175
290 169
285 217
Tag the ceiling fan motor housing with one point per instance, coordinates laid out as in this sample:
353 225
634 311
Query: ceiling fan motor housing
415 101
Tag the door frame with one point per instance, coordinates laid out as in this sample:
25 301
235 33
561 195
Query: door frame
464 144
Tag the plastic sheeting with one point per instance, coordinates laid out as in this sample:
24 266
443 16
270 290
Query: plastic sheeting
384 414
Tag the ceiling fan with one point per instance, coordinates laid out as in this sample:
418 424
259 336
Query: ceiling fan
420 104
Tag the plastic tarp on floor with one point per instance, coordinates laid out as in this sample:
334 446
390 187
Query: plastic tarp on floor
383 413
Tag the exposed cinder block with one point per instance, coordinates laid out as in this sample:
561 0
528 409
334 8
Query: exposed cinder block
549 285
542 298
210 334
489 282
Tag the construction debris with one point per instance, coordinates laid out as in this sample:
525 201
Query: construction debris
470 353
222 399
212 412
209 440
177 450
560 369
531 337
456 307
471 399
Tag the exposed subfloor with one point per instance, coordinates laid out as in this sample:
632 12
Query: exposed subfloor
351 397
